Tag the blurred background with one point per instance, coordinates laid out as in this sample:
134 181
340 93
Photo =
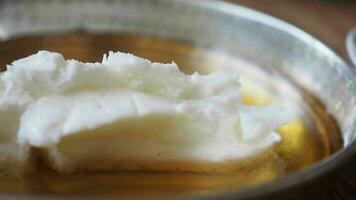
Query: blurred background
329 20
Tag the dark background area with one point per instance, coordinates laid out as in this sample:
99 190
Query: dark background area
328 20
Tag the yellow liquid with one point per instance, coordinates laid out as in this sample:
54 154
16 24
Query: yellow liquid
312 136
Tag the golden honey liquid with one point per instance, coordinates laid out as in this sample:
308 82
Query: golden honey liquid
313 135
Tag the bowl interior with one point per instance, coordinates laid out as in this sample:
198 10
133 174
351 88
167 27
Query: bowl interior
312 136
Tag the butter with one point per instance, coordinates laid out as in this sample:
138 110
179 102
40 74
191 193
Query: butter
94 116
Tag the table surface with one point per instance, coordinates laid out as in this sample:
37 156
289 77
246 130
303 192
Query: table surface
330 21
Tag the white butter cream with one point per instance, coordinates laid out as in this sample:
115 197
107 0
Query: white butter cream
133 108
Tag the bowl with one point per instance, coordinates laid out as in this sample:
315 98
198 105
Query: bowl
278 63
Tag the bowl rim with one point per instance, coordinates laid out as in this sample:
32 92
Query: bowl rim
285 182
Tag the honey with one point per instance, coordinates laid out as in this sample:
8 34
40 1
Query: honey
312 136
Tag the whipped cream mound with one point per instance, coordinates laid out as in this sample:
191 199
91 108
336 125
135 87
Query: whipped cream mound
98 116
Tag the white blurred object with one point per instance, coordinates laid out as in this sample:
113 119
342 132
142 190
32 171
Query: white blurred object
351 45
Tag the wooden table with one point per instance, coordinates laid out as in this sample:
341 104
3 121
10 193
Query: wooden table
329 20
